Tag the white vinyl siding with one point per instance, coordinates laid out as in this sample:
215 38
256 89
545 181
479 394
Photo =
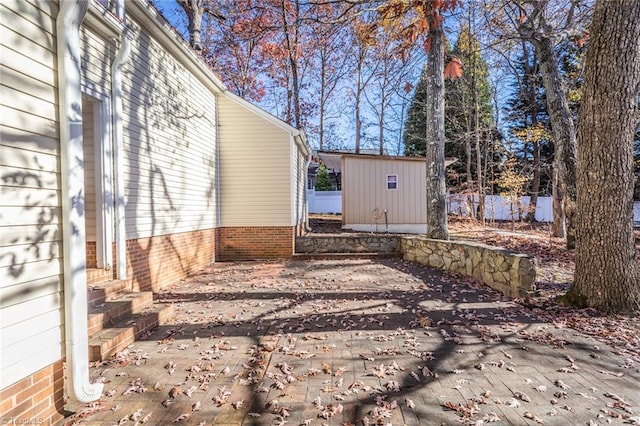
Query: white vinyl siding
31 319
365 188
95 61
255 169
300 174
88 140
169 144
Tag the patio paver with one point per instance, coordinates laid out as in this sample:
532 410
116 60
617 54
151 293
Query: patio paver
358 342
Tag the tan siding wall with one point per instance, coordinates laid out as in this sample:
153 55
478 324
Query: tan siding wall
255 169
365 189
30 228
169 144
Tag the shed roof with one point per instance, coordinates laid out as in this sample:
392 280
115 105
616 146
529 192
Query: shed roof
332 159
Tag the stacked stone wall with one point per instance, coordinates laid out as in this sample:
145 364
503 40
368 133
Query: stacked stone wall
511 273
365 243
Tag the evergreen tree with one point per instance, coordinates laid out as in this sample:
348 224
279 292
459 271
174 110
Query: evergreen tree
323 182
460 128
529 129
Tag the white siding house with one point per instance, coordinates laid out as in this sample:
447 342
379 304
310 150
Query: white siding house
123 159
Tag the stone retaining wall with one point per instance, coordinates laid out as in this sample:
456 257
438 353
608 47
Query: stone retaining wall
350 243
511 273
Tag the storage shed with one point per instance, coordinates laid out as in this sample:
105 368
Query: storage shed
384 193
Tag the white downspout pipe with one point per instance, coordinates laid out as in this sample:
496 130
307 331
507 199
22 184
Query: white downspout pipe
118 144
68 23
307 227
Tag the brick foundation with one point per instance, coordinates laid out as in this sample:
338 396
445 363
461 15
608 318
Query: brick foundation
36 399
258 242
156 262
92 254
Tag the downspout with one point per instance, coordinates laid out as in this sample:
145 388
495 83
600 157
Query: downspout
68 23
307 227
218 183
118 144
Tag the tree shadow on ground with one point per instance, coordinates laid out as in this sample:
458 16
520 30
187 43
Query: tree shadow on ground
395 331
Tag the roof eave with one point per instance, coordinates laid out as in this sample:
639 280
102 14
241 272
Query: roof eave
148 17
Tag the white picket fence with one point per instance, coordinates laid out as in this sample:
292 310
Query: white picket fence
496 206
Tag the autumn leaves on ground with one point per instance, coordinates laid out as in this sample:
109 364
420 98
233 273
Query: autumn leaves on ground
555 272
373 342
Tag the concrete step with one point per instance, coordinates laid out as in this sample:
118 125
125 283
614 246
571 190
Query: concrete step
110 340
98 293
117 307
338 256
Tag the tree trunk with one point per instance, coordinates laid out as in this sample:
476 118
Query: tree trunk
564 133
358 97
358 122
381 125
467 149
476 124
538 32
436 189
194 10
607 274
291 36
323 99
558 228
535 181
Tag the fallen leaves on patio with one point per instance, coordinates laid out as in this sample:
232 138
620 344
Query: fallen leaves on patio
325 343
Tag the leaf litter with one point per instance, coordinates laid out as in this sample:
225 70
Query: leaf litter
259 321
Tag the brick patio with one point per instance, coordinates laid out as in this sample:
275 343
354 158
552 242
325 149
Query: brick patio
343 342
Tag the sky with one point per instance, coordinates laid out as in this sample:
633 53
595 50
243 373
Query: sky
343 131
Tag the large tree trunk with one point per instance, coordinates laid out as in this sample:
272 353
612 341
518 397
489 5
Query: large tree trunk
436 189
607 274
558 228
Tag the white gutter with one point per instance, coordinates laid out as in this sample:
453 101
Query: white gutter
118 144
68 23
307 227
218 175
302 143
